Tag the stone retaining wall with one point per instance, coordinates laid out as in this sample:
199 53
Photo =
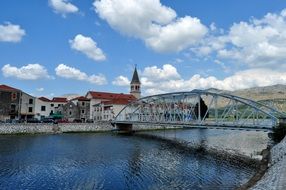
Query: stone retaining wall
275 177
33 128
140 127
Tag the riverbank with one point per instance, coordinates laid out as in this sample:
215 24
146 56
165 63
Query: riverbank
275 176
49 128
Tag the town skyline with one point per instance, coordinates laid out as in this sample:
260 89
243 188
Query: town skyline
55 47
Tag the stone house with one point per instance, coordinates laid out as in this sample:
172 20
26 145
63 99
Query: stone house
76 109
10 102
27 110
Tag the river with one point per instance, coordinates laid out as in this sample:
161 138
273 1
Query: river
110 161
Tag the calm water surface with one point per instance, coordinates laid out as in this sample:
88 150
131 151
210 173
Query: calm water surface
248 143
108 161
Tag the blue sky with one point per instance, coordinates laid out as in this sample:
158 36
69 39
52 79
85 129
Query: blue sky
55 47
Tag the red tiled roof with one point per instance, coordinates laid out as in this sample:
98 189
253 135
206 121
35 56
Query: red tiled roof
111 96
59 99
117 101
44 99
8 88
81 98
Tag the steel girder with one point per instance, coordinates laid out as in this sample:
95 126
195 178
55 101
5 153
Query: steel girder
199 108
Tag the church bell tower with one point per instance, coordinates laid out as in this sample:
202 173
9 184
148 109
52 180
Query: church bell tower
135 85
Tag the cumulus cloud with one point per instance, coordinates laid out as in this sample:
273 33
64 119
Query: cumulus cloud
239 80
87 46
11 33
157 25
28 72
63 7
65 71
121 81
257 43
167 72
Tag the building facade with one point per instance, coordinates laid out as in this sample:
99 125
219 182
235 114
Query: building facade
42 108
77 110
10 103
105 105
107 110
27 110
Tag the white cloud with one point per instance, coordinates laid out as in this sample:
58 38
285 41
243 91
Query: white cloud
41 89
258 43
157 25
167 72
177 35
121 81
87 46
28 72
239 80
63 7
11 33
65 71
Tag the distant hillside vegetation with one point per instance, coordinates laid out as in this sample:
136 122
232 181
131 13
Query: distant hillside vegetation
258 93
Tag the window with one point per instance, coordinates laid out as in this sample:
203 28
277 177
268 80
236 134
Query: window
30 109
13 96
30 101
83 103
70 113
43 108
82 111
13 107
59 105
52 105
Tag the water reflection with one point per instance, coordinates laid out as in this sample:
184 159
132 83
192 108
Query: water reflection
105 161
249 143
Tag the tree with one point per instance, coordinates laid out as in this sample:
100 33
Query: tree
204 109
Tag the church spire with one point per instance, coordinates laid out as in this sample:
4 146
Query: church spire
135 84
135 78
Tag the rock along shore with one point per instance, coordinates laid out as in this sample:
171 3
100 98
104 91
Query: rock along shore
275 176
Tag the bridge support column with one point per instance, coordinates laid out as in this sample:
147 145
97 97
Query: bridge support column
279 131
124 127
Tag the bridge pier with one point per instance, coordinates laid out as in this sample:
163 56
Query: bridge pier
279 131
124 127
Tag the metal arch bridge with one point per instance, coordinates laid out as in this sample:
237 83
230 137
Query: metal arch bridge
199 108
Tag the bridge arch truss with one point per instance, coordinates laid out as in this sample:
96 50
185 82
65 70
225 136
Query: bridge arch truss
199 108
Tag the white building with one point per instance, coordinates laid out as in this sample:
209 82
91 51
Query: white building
27 106
107 110
45 107
105 105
